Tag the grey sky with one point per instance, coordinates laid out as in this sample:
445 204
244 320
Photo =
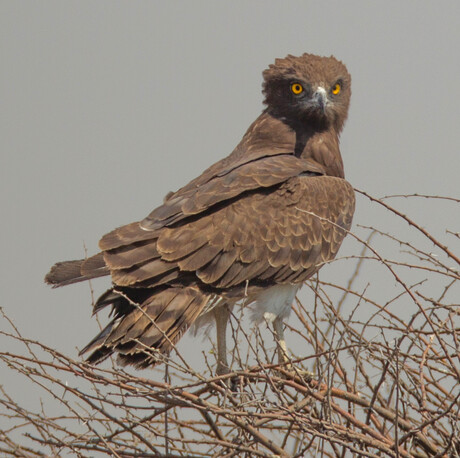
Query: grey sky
106 106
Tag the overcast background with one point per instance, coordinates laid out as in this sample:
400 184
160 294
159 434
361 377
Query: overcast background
106 106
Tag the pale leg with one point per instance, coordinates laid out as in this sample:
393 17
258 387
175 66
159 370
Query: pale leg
283 354
221 315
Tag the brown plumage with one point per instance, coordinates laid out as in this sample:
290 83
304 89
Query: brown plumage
253 226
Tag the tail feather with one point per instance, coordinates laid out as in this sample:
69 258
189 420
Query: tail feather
148 329
94 264
68 272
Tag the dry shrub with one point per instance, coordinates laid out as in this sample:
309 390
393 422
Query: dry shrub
382 351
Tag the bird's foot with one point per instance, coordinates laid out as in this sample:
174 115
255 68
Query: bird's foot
231 383
289 371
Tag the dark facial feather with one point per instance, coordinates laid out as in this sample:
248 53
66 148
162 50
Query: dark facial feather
312 72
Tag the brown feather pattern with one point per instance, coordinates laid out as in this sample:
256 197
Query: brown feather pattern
272 212
151 328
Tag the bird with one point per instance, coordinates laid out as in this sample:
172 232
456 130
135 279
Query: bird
251 229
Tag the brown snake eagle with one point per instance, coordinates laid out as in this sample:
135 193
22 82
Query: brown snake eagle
252 227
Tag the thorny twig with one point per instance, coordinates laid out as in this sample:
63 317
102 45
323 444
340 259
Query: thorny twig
386 379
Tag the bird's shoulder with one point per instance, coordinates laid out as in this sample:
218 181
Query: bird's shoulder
265 157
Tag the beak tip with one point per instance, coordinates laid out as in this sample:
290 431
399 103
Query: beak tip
320 97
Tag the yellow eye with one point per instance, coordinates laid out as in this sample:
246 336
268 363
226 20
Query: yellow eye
336 88
296 88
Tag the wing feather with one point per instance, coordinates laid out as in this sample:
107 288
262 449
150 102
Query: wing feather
279 235
263 172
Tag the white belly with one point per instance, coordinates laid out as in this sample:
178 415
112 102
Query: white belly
273 302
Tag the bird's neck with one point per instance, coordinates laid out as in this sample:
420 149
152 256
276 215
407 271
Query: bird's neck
319 145
322 147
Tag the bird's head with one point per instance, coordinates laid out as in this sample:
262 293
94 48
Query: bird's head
308 92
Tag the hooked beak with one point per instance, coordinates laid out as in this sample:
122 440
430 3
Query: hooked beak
319 98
